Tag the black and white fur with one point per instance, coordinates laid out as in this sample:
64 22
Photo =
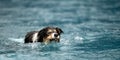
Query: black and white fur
44 35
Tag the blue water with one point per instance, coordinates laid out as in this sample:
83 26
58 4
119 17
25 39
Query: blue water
91 29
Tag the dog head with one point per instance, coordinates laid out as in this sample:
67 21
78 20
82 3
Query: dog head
49 34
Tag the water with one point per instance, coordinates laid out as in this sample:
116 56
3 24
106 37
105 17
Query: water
91 29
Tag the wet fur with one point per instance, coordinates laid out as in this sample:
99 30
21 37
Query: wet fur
40 35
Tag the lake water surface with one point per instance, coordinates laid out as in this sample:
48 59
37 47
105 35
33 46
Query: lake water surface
91 29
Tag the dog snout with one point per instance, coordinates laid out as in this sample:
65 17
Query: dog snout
55 35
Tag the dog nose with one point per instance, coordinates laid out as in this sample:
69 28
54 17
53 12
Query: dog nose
56 35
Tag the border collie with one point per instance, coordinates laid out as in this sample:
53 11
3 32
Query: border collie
45 35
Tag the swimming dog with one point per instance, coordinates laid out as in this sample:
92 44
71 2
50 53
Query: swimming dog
45 35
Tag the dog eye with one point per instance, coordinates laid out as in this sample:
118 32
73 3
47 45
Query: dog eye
49 32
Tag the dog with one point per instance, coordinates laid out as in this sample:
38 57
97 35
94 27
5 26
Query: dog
45 35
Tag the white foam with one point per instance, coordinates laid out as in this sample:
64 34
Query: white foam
78 39
21 40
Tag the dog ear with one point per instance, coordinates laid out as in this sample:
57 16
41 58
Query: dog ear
59 30
42 34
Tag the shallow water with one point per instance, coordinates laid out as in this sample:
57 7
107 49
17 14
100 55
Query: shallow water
91 29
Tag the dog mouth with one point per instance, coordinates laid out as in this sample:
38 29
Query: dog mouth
55 39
